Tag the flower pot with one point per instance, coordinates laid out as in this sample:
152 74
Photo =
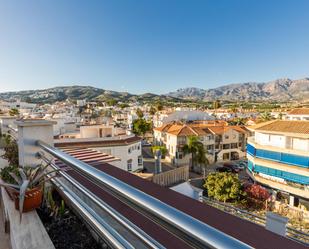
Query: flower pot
33 199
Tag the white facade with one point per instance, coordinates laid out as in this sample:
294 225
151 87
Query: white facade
130 155
282 141
297 117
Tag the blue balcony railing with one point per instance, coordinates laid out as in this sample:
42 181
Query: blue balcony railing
286 158
278 173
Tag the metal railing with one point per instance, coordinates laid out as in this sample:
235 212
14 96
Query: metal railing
100 226
181 224
292 233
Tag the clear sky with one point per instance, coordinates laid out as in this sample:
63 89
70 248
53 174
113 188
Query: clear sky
151 45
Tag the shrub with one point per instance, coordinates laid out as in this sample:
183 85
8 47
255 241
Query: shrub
224 187
161 148
6 176
256 196
257 192
10 151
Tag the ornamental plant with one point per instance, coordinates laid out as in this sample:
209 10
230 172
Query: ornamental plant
257 192
27 178
224 186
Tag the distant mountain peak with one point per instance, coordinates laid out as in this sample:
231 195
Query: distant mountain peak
283 89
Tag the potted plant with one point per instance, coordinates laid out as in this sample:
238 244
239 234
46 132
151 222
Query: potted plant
28 186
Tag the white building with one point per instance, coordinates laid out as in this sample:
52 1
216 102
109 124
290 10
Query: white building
278 156
127 148
298 114
222 142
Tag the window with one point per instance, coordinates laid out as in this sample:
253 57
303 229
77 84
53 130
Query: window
210 147
234 145
129 165
226 146
140 160
129 150
226 137
226 156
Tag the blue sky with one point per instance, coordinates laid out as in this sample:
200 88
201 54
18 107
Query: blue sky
151 46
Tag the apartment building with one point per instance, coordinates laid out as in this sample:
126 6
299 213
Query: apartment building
278 157
222 142
298 114
127 149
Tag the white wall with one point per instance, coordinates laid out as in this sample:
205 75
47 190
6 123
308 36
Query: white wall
300 144
270 139
122 152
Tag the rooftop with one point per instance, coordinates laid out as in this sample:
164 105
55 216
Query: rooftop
284 126
95 142
299 111
198 129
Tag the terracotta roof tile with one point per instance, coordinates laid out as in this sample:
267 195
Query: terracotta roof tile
299 111
300 127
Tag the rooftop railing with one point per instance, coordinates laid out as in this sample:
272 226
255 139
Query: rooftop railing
193 231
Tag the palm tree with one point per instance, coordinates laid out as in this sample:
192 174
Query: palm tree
266 116
238 121
197 151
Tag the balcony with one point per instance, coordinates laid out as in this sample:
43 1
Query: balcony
284 156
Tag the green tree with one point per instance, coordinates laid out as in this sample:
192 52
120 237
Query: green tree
159 106
161 148
141 126
280 115
216 104
123 105
14 112
266 116
197 151
234 109
152 110
111 102
224 187
139 113
238 121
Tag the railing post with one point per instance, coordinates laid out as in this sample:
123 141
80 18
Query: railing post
29 131
5 122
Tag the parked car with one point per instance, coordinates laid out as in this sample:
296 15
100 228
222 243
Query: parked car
242 164
232 166
223 169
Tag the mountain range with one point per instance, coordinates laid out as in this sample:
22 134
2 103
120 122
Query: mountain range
277 90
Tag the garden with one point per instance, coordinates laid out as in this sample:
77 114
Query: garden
226 188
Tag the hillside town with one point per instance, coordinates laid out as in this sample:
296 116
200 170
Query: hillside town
246 162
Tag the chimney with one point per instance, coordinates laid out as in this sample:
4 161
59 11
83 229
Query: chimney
158 167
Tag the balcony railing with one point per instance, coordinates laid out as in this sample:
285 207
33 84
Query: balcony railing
282 157
191 230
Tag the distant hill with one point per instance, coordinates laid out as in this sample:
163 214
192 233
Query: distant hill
51 95
279 90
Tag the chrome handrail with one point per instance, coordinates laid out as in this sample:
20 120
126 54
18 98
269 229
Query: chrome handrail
112 212
197 230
